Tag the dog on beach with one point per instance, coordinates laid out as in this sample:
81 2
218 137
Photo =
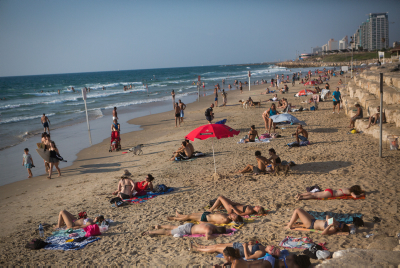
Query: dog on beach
137 150
257 103
245 103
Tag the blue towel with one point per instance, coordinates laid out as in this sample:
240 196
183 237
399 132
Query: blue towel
58 243
222 122
284 254
340 217
62 233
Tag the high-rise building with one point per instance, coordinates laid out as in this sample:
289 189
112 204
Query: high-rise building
373 34
343 43
332 44
316 50
325 47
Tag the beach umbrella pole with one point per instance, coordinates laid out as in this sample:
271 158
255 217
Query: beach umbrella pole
212 141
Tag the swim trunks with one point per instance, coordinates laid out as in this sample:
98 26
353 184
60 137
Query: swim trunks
335 103
178 115
182 230
124 196
209 118
204 216
302 138
216 99
45 124
182 114
28 165
256 170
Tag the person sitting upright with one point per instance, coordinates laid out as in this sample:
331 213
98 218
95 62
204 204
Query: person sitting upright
359 115
252 135
303 137
183 152
190 146
374 119
276 163
267 120
125 186
217 218
261 165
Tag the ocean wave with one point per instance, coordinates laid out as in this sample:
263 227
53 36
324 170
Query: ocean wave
42 93
10 106
80 103
23 118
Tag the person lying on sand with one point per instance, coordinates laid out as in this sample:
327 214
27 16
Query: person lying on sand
374 119
291 261
309 222
248 250
303 137
266 91
66 218
125 186
219 218
207 229
239 209
252 135
232 259
261 165
274 98
276 163
183 151
355 191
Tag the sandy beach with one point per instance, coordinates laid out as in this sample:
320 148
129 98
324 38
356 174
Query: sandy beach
333 160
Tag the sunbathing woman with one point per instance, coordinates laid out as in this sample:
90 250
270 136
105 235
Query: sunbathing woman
250 250
310 222
355 191
239 209
232 258
291 261
218 218
66 218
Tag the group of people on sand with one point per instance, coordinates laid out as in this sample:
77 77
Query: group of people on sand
54 159
185 151
272 165
127 188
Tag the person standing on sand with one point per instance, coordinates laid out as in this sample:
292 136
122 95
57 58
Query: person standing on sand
115 115
182 106
27 162
209 113
177 115
337 98
206 229
45 122
216 96
53 161
240 87
224 100
173 98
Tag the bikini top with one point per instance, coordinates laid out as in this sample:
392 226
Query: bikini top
244 208
272 112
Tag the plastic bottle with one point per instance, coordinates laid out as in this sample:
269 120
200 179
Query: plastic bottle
41 231
353 230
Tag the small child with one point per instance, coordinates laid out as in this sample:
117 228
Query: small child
114 144
27 161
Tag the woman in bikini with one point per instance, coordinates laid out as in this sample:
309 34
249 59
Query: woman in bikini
125 186
53 161
248 250
266 117
66 218
252 135
276 163
355 191
239 209
217 218
309 222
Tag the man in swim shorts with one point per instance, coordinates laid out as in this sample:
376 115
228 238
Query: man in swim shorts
303 137
260 168
336 99
177 115
216 96
217 218
182 106
206 229
115 115
45 122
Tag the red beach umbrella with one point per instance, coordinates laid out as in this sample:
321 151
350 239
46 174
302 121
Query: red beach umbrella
310 83
218 131
305 92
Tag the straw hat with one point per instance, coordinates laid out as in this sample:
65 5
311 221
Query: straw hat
126 174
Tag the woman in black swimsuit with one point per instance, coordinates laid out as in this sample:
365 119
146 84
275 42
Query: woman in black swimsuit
53 161
252 135
276 163
239 209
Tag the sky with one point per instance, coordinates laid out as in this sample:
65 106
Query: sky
51 36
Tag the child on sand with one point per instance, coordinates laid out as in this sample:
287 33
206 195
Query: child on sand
27 161
114 144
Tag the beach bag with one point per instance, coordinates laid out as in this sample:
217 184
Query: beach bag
36 244
92 230
358 222
115 200
160 188
312 251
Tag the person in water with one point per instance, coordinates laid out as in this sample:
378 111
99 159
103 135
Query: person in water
66 218
309 222
248 250
206 229
53 160
233 207
252 135
266 117
125 186
355 191
260 168
218 218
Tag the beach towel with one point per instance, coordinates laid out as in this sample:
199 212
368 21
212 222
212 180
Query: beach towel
344 197
301 242
302 229
63 233
340 217
184 160
231 224
229 232
144 198
284 254
222 122
59 243
241 141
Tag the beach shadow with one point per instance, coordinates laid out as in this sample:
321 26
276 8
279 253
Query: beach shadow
161 142
324 130
99 170
180 190
94 158
322 142
321 167
101 165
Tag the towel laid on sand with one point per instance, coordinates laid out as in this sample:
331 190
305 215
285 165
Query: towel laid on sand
256 141
301 242
340 217
284 254
344 197
232 224
144 198
229 232
59 243
63 233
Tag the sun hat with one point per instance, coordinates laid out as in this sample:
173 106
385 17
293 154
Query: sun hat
126 174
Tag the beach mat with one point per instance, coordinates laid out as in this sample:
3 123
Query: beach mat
340 217
144 198
59 243
300 243
347 197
